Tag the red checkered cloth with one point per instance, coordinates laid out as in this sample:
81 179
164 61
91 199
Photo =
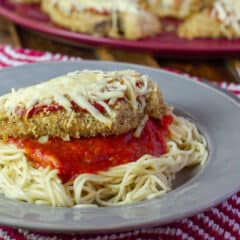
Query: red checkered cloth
220 223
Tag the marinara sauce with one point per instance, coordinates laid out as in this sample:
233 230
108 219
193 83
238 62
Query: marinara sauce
91 155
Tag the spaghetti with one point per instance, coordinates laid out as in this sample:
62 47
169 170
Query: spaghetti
146 178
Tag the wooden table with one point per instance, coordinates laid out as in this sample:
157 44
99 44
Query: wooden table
214 70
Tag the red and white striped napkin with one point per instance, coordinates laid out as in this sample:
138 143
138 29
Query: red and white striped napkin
222 222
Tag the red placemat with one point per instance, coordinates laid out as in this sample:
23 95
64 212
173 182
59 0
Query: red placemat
222 222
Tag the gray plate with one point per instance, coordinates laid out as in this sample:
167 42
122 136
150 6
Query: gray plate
217 115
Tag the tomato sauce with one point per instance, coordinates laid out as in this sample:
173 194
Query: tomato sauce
54 107
91 155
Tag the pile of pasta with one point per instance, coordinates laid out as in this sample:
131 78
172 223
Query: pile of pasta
144 179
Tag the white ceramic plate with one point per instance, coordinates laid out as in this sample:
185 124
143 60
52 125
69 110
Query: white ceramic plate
217 115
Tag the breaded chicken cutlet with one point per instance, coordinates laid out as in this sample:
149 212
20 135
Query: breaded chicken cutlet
81 104
221 19
116 19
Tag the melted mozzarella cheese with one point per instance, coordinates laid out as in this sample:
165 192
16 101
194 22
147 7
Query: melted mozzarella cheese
85 89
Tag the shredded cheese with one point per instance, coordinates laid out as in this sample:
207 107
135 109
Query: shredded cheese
112 7
85 89
141 126
228 12
43 139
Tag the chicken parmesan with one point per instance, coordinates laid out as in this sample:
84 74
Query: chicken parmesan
93 138
221 19
81 104
117 19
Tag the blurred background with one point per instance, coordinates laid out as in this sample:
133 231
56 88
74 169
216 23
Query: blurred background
21 26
